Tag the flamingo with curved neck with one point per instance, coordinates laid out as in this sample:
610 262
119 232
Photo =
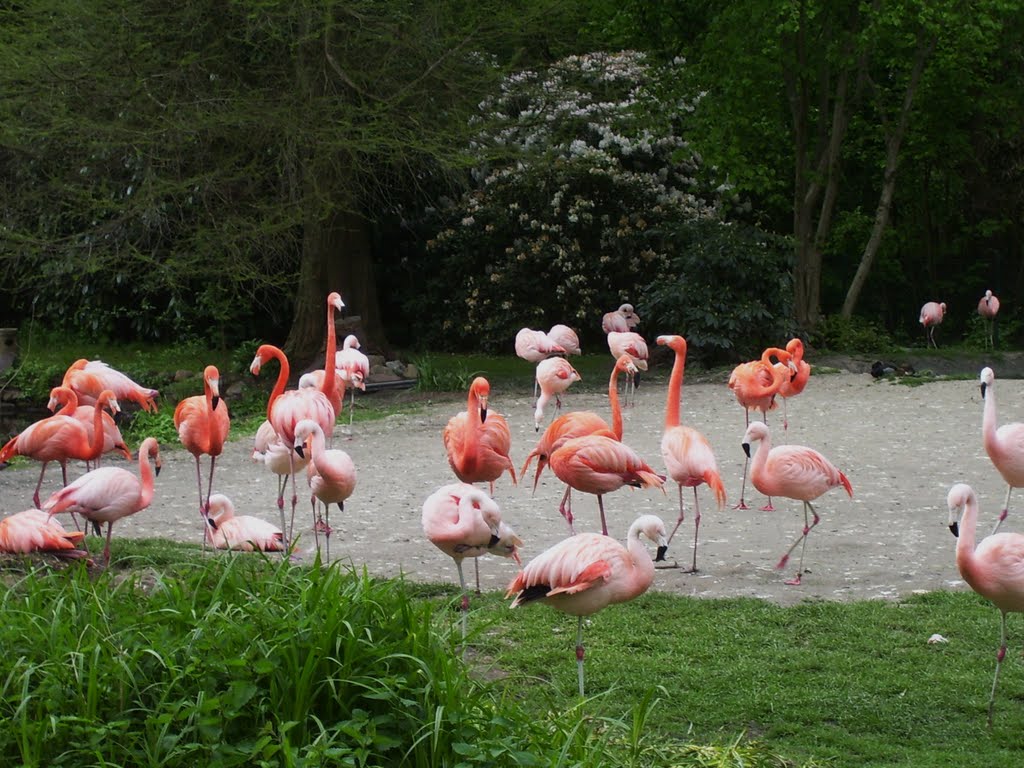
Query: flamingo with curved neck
478 443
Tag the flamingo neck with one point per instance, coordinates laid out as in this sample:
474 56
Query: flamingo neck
643 566
68 400
473 411
988 421
757 464
327 387
282 379
967 538
319 444
675 391
96 448
613 398
145 474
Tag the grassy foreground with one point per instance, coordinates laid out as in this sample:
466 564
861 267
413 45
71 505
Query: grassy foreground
172 659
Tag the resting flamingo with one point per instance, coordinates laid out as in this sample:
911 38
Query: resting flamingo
1004 445
582 574
599 465
988 308
203 424
994 568
463 521
794 381
353 368
688 457
88 378
533 346
245 533
271 452
35 531
286 409
795 472
108 494
622 320
61 438
931 315
478 442
632 344
566 338
66 398
331 474
554 376
755 385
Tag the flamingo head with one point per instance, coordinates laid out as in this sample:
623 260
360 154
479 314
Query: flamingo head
479 392
211 380
756 431
988 377
675 343
653 528
795 347
221 509
959 496
351 342
334 300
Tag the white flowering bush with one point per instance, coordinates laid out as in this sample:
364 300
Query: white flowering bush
583 174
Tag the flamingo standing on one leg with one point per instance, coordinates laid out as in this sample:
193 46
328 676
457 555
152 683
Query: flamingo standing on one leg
599 465
61 438
994 568
533 346
796 472
269 450
203 424
226 530
286 409
66 398
755 385
793 382
931 315
107 494
687 453
554 376
632 344
582 574
463 521
88 378
353 368
988 308
478 442
1004 445
35 531
331 474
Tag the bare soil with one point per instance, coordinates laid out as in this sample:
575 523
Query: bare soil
902 448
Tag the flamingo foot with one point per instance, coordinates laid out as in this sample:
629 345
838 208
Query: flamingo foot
321 527
741 505
464 606
767 507
794 582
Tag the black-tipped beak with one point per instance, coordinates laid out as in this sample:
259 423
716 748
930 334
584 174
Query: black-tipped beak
157 470
483 414
301 451
493 542
954 528
660 557
216 401
746 449
983 387
212 522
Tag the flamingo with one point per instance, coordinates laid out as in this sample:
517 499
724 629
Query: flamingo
203 424
326 379
621 320
794 382
35 531
687 453
994 568
599 465
534 346
795 472
580 423
226 530
931 315
554 376
988 308
566 338
353 368
88 378
61 438
331 474
478 443
1004 445
582 574
755 385
286 409
68 400
463 521
632 344
107 494
269 451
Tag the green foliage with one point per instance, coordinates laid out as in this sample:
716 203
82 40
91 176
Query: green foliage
436 375
728 290
855 334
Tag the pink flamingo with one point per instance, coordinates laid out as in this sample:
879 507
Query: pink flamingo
269 451
599 465
354 369
582 574
226 530
755 385
61 438
795 472
632 344
992 568
88 378
203 424
478 443
1004 445
566 338
793 383
554 376
534 346
35 531
109 493
463 521
687 453
988 308
331 474
66 398
931 315
286 409
326 379
622 320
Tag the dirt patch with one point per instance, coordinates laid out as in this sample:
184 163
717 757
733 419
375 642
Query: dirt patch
902 448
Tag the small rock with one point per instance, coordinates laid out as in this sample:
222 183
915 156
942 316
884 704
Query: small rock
396 366
383 373
411 371
181 375
235 390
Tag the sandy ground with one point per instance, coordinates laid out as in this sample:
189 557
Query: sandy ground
902 448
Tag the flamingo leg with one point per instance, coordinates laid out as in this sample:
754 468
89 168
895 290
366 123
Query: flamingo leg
600 507
1005 511
746 462
295 500
785 414
464 605
1000 655
679 520
769 507
106 549
316 522
579 652
351 408
209 488
35 495
696 524
476 568
199 482
802 539
565 508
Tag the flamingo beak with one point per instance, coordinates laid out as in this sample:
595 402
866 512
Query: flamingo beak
983 388
746 449
954 528
660 557
301 450
494 541
212 522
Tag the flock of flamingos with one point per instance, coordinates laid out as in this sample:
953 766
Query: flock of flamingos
581 574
